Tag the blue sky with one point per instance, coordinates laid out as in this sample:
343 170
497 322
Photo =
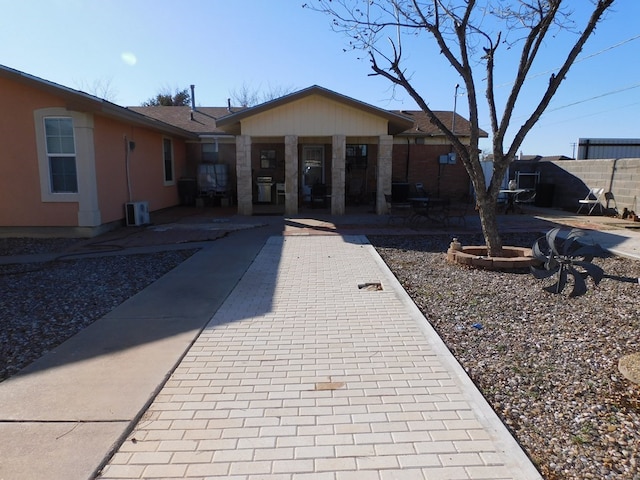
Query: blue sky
140 47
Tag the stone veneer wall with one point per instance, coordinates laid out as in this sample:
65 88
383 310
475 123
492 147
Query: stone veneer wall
572 179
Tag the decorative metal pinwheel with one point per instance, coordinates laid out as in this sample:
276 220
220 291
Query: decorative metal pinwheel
564 255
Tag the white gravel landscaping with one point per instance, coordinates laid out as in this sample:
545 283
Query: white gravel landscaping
547 363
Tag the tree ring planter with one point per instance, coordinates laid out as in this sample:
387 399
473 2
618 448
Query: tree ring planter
513 258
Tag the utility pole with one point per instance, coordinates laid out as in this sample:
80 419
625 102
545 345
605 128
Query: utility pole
455 103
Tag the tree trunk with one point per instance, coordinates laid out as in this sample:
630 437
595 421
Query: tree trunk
489 223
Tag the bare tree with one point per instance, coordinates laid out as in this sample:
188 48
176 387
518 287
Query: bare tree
102 88
168 98
470 34
247 96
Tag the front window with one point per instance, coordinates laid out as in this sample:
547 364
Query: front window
61 153
268 159
167 147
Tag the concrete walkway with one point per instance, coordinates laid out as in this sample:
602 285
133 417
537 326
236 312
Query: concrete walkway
62 415
302 374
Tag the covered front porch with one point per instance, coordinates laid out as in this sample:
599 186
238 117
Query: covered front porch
313 149
312 172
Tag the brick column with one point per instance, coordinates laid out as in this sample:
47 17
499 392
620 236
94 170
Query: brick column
243 173
290 174
338 152
385 149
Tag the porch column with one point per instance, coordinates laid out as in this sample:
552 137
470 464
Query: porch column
338 151
243 174
385 154
88 206
290 174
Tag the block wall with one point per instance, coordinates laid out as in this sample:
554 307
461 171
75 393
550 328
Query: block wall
572 180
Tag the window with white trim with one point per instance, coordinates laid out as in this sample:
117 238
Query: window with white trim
167 154
61 154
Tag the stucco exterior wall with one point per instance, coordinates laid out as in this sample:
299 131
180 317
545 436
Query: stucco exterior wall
110 155
100 160
147 169
20 182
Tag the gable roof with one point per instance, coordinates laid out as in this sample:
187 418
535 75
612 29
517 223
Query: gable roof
188 123
209 120
397 122
82 101
202 120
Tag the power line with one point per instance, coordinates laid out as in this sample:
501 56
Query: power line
581 117
623 89
613 92
578 60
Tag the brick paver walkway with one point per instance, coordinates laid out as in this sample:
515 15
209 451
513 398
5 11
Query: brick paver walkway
302 374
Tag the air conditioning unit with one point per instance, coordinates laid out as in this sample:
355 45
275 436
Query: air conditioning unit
137 213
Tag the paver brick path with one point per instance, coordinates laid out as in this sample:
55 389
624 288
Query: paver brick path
301 374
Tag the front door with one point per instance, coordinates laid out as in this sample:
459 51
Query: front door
312 169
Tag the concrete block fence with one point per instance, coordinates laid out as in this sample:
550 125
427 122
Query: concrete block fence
572 179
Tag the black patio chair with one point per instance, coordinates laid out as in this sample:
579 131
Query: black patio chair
401 211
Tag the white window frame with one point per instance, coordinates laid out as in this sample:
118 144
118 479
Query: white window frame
52 155
85 155
172 179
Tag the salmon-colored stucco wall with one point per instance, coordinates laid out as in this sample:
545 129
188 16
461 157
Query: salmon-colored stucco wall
20 199
21 202
146 167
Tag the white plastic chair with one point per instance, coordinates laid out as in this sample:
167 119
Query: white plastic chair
592 200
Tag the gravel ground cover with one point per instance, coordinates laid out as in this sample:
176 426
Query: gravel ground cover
30 246
43 304
546 363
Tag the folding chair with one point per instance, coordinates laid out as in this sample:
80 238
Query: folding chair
611 206
592 200
398 210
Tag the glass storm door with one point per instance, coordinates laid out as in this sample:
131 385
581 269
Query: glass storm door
312 168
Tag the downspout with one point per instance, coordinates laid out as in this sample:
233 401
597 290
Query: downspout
406 173
126 162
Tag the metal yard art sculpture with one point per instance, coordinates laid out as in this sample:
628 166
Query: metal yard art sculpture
565 256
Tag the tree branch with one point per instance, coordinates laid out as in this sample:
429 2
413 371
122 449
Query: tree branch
556 80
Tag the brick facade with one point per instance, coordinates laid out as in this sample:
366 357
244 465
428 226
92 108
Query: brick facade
420 163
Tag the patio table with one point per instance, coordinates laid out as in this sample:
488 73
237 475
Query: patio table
511 198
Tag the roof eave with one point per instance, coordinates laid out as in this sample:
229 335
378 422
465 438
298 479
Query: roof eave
81 101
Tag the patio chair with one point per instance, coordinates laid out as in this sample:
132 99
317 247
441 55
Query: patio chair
593 199
458 211
319 196
611 205
398 210
525 198
420 191
354 192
